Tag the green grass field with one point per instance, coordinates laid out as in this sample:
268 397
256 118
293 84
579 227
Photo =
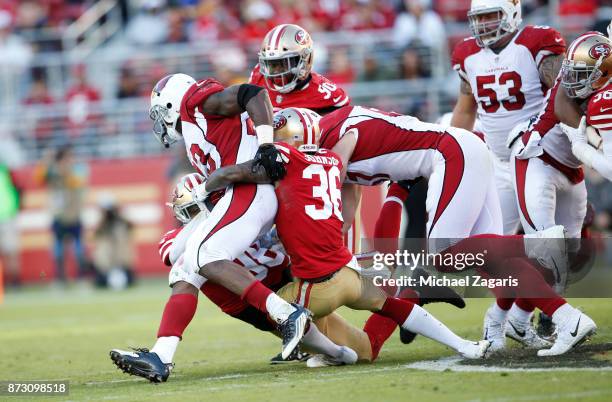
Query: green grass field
57 334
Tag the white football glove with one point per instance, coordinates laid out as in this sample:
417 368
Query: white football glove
199 195
576 135
533 148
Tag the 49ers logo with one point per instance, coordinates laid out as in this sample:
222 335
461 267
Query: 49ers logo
600 49
301 37
279 121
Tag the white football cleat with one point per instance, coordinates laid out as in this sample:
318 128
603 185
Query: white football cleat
494 331
549 248
348 356
572 329
524 333
475 350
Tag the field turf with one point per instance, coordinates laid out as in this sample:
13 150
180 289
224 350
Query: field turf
67 334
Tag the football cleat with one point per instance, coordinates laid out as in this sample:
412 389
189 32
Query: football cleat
292 330
142 363
430 294
545 326
494 331
524 333
296 357
475 350
348 356
572 330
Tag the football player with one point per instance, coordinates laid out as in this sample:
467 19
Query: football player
285 69
212 122
309 223
264 259
505 70
463 210
586 78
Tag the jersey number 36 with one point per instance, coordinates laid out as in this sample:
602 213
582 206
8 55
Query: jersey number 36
327 191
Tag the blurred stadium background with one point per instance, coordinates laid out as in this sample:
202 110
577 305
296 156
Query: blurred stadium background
76 150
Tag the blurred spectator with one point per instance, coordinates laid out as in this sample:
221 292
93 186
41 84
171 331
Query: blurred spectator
67 182
128 84
16 56
412 65
259 19
340 68
419 24
176 26
373 71
10 159
113 251
213 21
230 65
39 93
150 26
41 124
79 99
367 14
577 7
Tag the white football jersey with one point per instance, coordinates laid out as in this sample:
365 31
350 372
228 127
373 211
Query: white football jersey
507 86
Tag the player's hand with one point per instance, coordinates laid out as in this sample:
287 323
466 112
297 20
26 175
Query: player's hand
533 148
199 195
271 160
576 135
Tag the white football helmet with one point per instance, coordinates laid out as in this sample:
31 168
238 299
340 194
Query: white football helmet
488 31
165 108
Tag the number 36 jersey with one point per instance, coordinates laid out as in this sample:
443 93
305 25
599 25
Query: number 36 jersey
507 86
309 218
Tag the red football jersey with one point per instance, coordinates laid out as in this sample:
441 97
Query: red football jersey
319 94
309 218
599 111
214 141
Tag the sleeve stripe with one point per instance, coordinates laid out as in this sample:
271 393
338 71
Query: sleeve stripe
283 149
601 117
343 102
542 54
394 199
602 126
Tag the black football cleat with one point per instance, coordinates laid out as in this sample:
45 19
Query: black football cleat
545 327
430 294
296 357
142 363
292 330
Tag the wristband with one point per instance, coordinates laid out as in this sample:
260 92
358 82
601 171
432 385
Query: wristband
265 134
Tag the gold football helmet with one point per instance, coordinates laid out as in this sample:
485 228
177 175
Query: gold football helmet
298 127
587 65
183 205
285 57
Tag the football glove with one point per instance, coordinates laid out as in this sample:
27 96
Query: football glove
272 161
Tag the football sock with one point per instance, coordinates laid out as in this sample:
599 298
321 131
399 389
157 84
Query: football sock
165 347
421 322
389 220
378 328
178 313
315 340
518 314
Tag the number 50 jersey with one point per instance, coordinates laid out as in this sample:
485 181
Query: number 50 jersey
506 85
309 218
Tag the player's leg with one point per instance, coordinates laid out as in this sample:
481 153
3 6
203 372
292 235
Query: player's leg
244 212
507 197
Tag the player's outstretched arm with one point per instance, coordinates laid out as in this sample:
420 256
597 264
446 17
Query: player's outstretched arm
244 97
246 172
549 69
464 113
351 195
566 110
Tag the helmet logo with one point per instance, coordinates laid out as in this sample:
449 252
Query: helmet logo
514 2
599 50
161 84
301 37
279 121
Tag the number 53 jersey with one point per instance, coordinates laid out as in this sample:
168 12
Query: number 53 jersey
507 86
309 218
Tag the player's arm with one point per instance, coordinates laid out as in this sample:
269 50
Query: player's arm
351 195
566 110
236 99
344 149
464 113
549 69
601 162
247 172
